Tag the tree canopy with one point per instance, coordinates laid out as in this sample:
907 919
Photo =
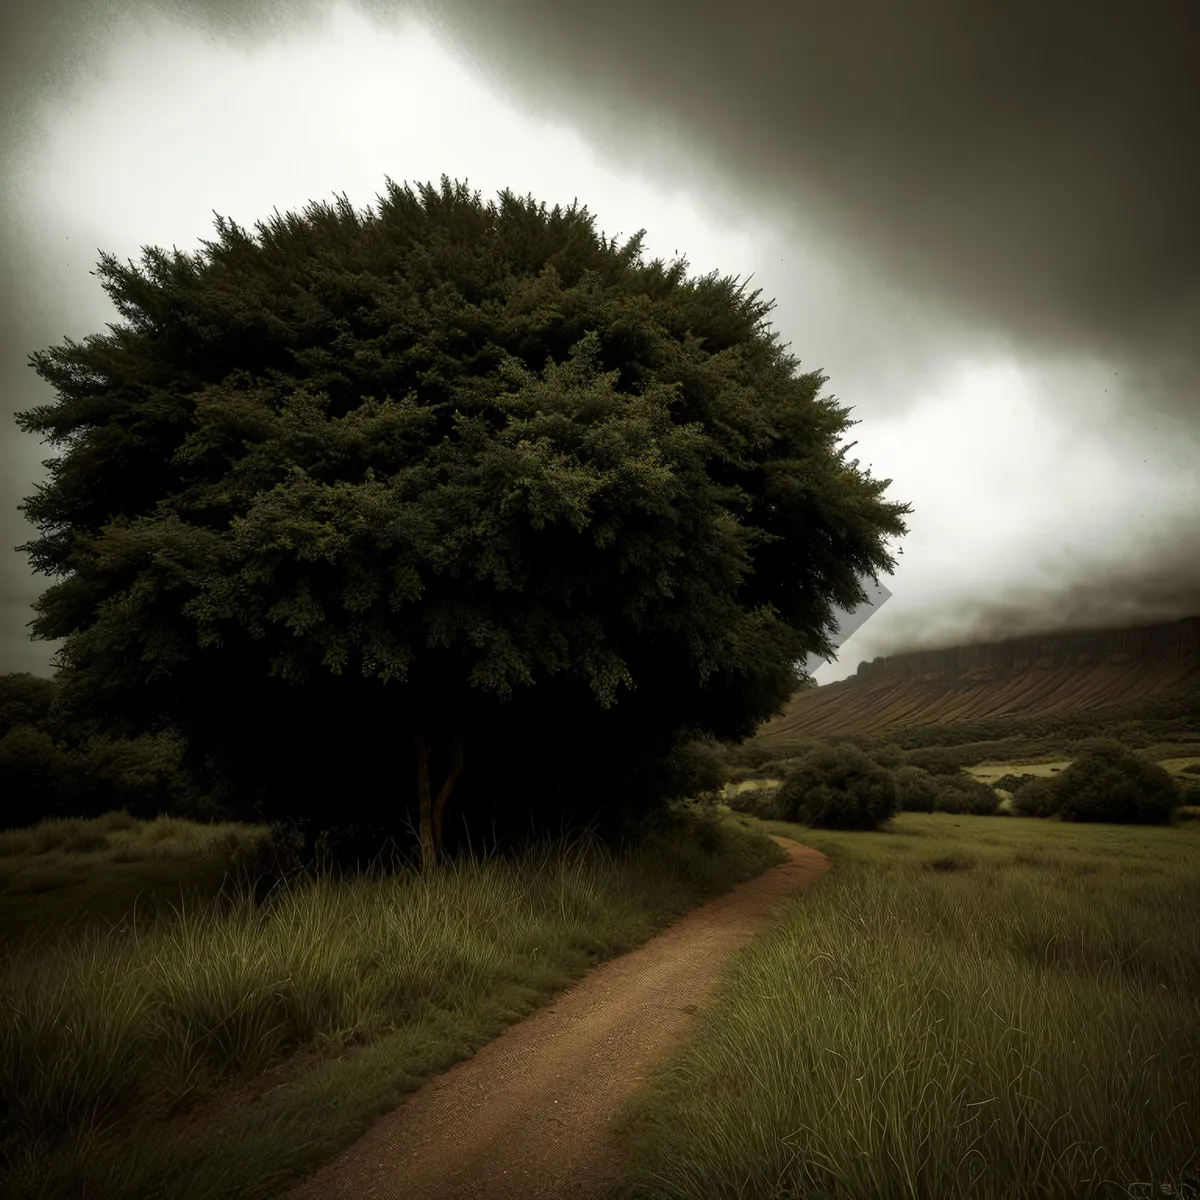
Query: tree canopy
462 477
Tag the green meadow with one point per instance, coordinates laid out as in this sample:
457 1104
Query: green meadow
162 1034
991 1007
985 1006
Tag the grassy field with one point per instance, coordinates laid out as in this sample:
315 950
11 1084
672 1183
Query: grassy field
991 1007
967 1006
61 875
246 1044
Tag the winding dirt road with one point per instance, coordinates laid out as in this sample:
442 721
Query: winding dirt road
529 1116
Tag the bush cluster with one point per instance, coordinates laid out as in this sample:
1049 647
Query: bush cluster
1038 797
1190 795
839 784
778 768
917 790
51 771
757 802
962 794
1108 782
888 754
1012 783
749 754
695 770
837 787
938 760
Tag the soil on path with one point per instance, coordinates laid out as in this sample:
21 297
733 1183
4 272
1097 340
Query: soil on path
529 1116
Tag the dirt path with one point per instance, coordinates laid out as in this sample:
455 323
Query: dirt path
528 1116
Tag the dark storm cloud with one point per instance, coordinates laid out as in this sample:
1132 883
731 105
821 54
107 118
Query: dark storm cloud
1026 170
1034 164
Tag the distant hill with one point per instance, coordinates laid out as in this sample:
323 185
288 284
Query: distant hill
1025 677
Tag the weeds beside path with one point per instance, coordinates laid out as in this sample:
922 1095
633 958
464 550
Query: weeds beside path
529 1116
224 1050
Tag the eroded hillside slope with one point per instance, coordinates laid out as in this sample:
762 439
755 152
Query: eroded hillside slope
1025 677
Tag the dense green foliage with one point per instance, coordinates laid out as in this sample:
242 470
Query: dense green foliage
449 472
1108 782
695 770
1039 797
48 769
887 754
962 794
1011 782
916 789
937 760
837 787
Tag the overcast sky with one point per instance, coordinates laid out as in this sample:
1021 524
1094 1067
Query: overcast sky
979 224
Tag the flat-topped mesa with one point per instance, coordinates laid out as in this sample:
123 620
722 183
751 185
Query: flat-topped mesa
1176 642
1051 675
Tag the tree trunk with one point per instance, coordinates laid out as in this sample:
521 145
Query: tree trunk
428 845
456 764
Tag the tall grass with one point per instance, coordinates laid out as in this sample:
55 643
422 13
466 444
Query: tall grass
111 1028
1015 1013
65 873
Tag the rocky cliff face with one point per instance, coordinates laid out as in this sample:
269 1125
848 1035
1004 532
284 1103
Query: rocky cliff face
1176 643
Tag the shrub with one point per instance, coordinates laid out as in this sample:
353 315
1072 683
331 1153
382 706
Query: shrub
1108 782
776 768
1132 733
742 774
1193 769
33 768
42 776
937 760
889 755
1012 783
749 754
696 768
1039 797
742 802
1104 746
857 741
916 789
837 787
757 802
25 699
783 754
142 775
962 794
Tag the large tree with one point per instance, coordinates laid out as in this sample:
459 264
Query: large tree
452 502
